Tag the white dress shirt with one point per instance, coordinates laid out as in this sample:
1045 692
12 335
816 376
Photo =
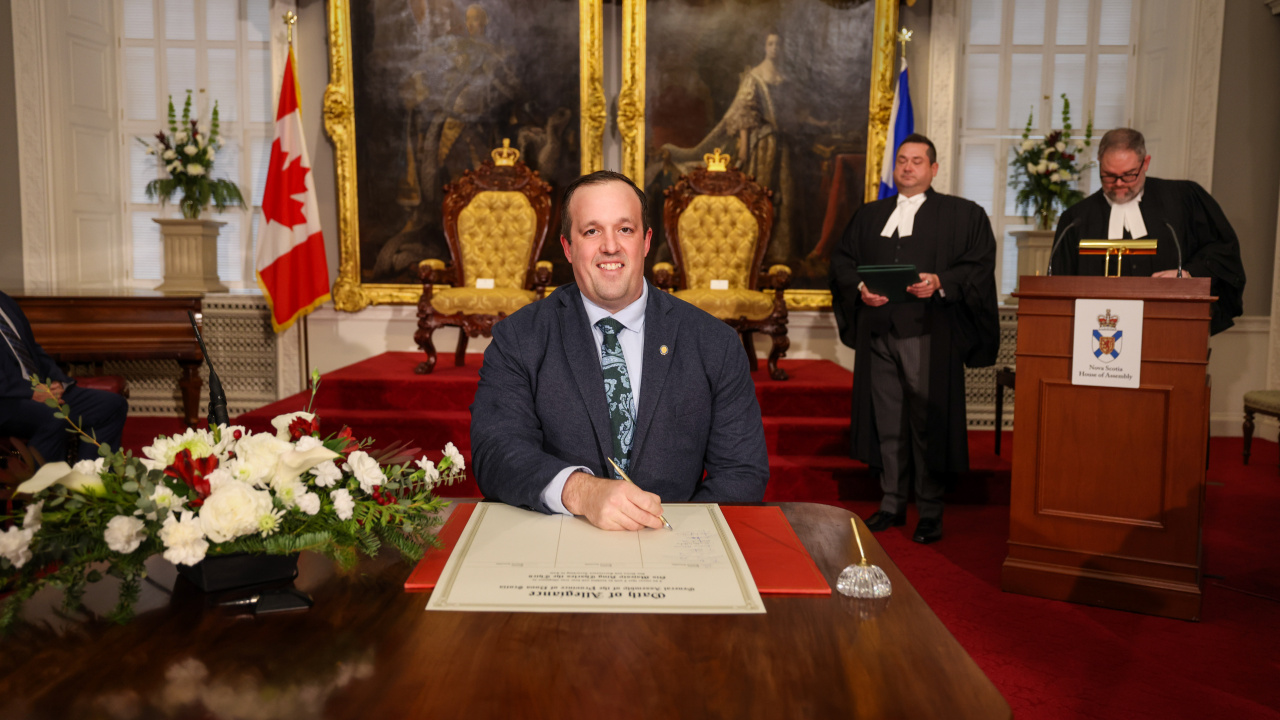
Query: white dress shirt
631 339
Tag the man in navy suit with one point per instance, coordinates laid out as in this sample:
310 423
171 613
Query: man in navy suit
610 366
22 410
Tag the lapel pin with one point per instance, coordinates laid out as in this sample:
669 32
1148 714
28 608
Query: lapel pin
663 349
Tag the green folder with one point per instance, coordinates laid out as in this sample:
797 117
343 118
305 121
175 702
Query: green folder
890 281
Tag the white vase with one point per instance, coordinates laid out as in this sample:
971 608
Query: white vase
190 255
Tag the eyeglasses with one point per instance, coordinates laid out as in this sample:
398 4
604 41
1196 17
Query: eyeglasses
1126 178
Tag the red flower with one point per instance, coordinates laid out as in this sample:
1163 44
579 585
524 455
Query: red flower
349 442
301 427
193 471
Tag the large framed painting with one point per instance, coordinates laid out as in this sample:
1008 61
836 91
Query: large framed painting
798 92
422 91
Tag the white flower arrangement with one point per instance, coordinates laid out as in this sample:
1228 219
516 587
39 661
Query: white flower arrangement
1043 170
187 153
215 492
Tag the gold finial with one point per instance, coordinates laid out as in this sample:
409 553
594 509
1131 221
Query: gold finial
716 161
904 37
505 155
290 19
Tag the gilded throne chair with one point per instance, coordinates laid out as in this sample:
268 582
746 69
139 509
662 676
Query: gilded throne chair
495 221
717 221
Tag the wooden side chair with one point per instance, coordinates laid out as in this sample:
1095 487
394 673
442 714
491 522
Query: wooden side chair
718 222
1266 402
495 221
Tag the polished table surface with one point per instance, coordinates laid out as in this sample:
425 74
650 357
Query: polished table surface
368 649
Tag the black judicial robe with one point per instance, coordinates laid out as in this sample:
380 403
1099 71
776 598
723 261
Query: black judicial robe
1209 245
964 325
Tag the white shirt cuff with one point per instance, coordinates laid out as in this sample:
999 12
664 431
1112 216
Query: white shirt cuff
551 493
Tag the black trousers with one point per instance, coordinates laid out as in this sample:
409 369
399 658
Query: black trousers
900 398
98 411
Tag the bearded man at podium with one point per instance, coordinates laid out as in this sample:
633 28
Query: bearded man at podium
1179 214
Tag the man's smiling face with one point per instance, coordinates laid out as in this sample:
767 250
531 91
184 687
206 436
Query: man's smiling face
607 244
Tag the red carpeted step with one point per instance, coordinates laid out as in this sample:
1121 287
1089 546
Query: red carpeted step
807 435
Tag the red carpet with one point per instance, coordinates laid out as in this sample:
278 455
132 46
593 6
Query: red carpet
1050 659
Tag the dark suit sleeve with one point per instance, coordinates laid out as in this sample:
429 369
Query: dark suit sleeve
736 460
12 384
506 433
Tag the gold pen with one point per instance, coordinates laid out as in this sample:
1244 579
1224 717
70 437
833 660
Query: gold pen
623 473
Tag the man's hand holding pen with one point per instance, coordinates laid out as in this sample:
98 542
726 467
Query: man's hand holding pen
611 504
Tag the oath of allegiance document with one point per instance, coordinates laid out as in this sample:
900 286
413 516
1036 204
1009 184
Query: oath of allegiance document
514 560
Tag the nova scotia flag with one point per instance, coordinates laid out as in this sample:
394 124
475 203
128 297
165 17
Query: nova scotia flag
901 124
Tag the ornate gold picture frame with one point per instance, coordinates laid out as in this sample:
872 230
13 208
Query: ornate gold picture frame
354 290
712 82
433 69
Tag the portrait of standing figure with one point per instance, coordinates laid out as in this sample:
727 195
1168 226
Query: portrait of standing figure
438 85
786 94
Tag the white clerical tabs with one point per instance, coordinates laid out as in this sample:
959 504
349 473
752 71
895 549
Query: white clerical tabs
719 284
514 560
484 283
1107 347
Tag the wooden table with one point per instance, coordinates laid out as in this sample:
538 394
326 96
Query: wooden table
369 650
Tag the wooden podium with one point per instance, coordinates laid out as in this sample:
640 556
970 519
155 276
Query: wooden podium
1108 483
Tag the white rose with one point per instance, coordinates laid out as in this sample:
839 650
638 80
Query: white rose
232 511
343 505
326 474
34 516
281 422
180 137
1055 177
15 545
307 443
1027 145
169 155
209 153
195 169
256 457
1053 166
124 534
1043 166
190 149
1060 146
183 535
455 457
309 503
365 469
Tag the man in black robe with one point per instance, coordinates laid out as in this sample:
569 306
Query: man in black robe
1174 212
908 379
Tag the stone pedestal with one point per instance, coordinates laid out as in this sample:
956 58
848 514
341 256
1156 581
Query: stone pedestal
190 255
1033 253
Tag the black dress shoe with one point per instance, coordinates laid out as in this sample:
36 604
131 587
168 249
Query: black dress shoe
882 520
928 531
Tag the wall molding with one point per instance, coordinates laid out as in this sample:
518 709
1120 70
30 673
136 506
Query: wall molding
944 61
1206 69
34 154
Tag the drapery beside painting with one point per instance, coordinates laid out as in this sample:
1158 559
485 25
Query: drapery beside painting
797 91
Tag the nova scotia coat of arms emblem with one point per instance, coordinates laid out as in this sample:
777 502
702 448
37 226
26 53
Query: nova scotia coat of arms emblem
1107 339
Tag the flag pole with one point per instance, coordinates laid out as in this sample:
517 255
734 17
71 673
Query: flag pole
291 19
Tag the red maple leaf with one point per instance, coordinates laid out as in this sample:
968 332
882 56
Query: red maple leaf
284 182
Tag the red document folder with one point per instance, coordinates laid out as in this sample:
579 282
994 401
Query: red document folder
779 563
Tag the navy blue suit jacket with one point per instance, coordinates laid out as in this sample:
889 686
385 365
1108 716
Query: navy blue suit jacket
12 384
540 406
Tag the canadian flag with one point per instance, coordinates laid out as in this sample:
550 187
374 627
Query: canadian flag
292 270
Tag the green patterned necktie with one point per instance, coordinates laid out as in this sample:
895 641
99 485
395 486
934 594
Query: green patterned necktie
617 391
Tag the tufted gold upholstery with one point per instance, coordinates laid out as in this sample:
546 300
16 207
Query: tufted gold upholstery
717 225
717 242
495 220
730 304
469 300
495 232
